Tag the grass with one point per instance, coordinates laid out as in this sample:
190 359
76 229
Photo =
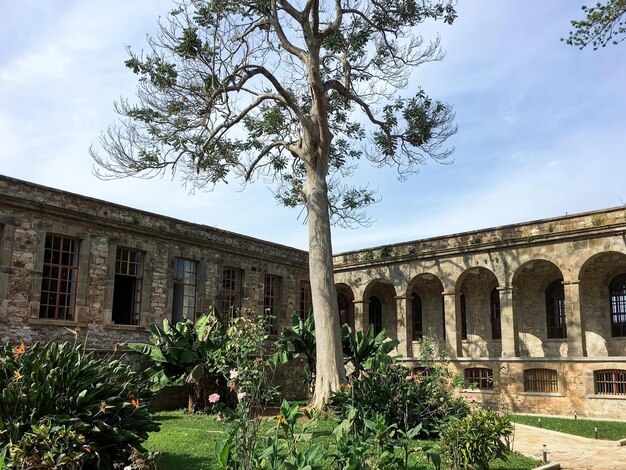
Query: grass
607 430
188 441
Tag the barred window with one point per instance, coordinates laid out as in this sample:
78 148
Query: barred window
610 382
184 298
617 292
270 301
232 281
496 323
306 303
463 316
416 317
555 310
376 314
58 281
540 380
127 286
479 377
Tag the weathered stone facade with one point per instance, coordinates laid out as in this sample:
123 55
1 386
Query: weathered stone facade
532 308
581 361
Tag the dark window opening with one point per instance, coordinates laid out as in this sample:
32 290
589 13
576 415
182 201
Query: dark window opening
376 314
232 281
127 287
479 377
184 295
416 317
540 380
58 281
270 302
617 293
555 310
496 320
306 302
344 309
610 382
463 316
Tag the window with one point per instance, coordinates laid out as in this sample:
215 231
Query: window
58 280
270 301
306 303
416 317
184 298
344 309
479 377
232 280
540 380
617 292
496 323
376 314
127 286
555 310
610 382
463 316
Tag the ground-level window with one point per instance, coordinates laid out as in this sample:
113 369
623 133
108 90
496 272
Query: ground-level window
617 292
58 281
232 282
271 295
344 309
463 316
555 310
496 323
416 317
610 382
127 286
479 377
376 314
184 295
306 303
540 380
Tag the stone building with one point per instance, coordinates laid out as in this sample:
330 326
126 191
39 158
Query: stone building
532 314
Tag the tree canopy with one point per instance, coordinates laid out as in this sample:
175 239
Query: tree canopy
605 24
294 92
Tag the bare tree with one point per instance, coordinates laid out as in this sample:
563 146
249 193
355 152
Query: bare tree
294 92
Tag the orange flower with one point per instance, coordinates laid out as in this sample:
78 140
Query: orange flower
17 374
135 402
232 386
18 351
281 420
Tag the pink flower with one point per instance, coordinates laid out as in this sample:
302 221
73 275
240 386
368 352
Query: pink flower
501 414
214 398
241 396
234 373
408 377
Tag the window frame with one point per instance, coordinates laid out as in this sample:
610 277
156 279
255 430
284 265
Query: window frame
617 305
556 318
305 305
71 281
616 382
495 314
541 380
138 285
479 378
271 301
417 317
463 308
232 299
180 278
378 325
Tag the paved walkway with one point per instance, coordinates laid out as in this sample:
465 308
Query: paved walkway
572 452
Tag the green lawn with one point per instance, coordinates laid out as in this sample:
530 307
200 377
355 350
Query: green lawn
607 430
187 442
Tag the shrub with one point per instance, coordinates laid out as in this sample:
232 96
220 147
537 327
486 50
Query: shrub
404 399
477 439
58 394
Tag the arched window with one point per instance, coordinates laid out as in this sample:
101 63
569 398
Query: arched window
541 380
463 316
479 377
376 314
610 382
416 317
496 324
555 310
344 309
617 292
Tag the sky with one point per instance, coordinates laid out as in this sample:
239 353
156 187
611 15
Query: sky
541 125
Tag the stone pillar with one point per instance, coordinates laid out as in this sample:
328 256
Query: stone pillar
403 329
452 327
361 315
573 319
507 322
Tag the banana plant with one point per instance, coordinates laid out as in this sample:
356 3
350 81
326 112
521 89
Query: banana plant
366 351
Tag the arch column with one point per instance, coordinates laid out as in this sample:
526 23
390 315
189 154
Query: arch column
573 319
402 325
361 315
452 326
507 322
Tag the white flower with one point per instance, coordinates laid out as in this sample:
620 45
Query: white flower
241 396
234 373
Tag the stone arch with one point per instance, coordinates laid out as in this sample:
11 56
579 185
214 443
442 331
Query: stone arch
530 282
473 289
383 290
427 290
345 301
596 309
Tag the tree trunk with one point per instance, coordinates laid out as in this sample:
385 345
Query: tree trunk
330 372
